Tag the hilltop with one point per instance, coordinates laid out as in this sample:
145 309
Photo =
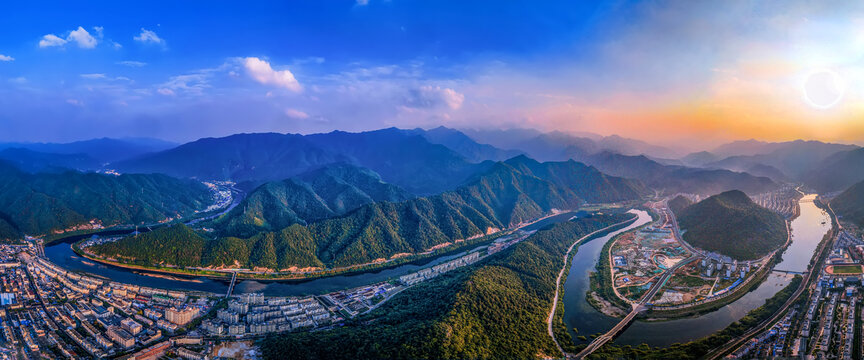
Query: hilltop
43 203
731 224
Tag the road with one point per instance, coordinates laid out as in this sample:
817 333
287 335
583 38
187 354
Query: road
561 274
637 308
734 344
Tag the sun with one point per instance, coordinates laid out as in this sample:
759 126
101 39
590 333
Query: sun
823 88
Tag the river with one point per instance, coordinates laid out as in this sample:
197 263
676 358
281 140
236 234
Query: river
60 253
807 231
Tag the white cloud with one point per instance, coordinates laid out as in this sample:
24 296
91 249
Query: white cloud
79 36
261 71
83 38
6 58
74 102
131 63
93 76
296 114
18 80
433 96
166 91
193 84
51 40
362 2
148 36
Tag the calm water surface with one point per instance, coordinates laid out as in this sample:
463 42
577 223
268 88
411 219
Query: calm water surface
807 231
61 254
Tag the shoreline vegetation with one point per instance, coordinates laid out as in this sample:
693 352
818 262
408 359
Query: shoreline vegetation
699 348
303 276
280 276
602 297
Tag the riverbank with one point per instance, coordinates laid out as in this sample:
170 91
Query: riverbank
226 275
606 299
425 258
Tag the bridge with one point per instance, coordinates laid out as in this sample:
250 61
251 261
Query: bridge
790 272
638 307
231 287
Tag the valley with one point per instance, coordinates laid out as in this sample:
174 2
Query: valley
361 247
441 180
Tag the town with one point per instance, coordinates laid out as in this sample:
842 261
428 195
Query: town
825 323
49 312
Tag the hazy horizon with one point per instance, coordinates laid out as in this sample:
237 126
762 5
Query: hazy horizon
666 73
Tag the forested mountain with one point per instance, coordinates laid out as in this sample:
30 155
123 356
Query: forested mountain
495 309
679 203
37 204
409 161
34 161
316 195
674 179
102 150
838 171
731 224
849 205
510 193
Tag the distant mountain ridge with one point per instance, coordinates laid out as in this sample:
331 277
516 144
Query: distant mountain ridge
849 204
103 150
34 162
790 160
675 179
407 160
558 146
464 145
838 171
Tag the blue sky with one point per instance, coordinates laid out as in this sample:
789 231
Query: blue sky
184 70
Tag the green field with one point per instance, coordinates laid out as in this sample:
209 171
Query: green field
846 269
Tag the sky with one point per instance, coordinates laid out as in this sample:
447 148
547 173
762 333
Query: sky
668 72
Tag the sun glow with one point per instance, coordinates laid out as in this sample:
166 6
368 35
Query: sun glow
823 88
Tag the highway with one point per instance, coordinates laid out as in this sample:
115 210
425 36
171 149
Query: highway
561 274
734 344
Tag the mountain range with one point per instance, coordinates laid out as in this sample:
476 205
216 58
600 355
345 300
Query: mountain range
39 204
101 151
675 179
404 159
838 171
507 194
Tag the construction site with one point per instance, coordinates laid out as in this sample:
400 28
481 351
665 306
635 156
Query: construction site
639 257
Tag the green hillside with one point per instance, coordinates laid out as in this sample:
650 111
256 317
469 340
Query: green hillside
324 193
496 309
510 193
37 204
731 224
679 203
849 205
